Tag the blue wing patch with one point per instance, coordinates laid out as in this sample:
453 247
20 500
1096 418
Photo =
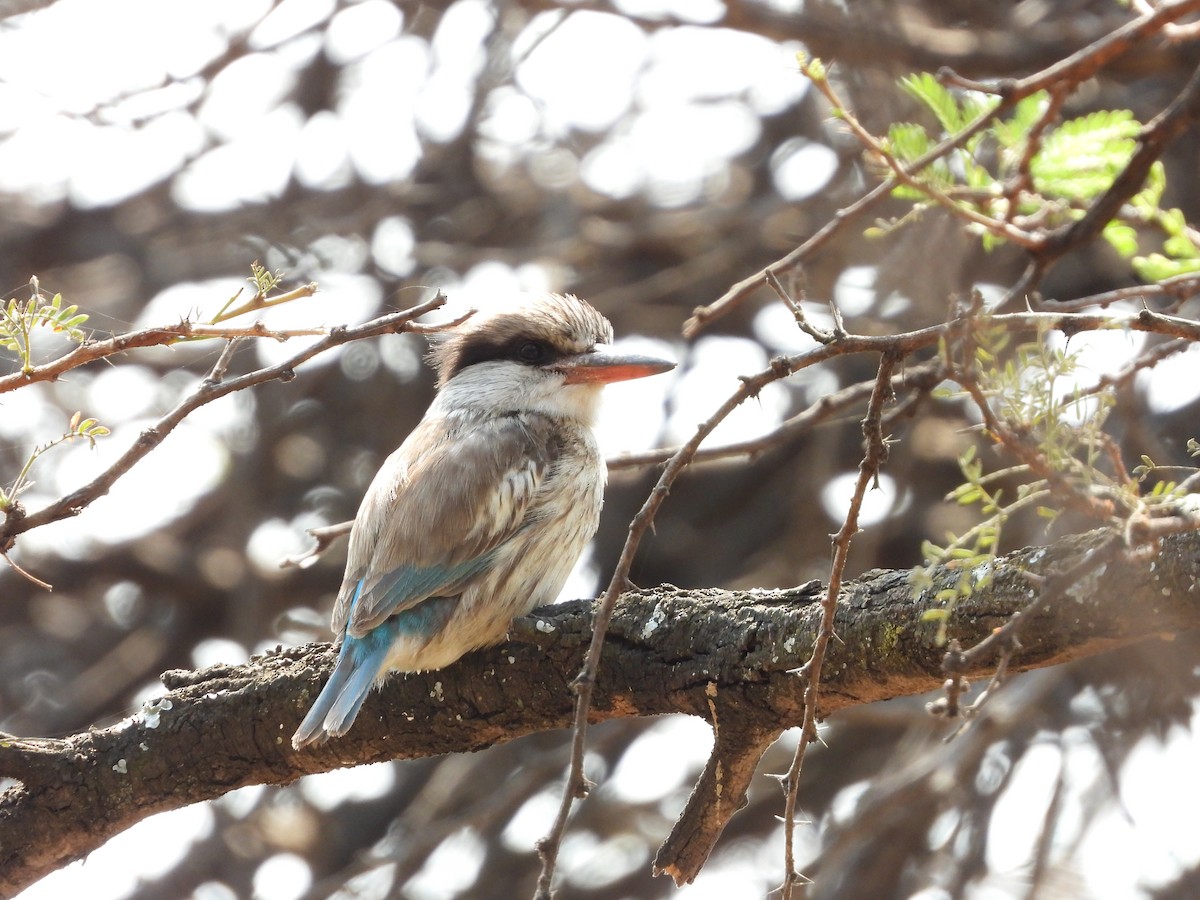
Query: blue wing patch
406 588
361 656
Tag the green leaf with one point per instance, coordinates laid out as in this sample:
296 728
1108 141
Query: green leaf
1149 198
1173 221
1122 237
1079 159
908 141
977 176
935 615
813 68
967 494
1157 267
926 88
1181 247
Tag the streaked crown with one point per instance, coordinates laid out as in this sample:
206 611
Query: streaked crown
534 330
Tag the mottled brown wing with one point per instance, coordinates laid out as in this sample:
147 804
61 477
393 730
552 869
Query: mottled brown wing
449 496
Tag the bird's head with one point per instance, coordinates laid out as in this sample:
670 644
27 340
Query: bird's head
549 353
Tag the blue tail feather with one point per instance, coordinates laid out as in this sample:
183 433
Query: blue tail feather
359 662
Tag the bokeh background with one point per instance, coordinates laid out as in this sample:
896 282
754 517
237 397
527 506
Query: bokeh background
644 154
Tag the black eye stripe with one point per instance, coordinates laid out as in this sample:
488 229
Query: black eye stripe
526 350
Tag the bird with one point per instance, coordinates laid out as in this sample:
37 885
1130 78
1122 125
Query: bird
481 513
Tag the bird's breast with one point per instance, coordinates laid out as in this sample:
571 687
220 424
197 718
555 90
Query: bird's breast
533 566
528 569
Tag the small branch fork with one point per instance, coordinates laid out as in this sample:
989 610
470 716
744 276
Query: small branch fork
1172 32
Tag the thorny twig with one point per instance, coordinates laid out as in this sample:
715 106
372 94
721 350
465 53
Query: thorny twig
821 337
211 388
92 350
920 379
875 455
1085 62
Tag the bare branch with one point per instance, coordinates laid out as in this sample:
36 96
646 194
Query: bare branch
324 537
206 392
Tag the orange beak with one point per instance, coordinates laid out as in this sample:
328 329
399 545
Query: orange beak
601 366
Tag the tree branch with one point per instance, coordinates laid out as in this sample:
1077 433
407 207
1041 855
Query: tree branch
17 521
667 651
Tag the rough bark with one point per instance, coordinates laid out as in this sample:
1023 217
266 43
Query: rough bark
701 652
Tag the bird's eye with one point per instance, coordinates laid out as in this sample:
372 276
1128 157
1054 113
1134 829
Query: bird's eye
531 352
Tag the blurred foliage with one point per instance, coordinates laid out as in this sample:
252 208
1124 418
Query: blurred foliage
479 213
